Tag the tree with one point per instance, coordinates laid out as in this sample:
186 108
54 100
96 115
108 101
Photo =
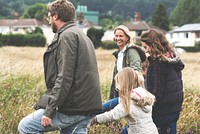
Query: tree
95 35
160 18
186 11
37 11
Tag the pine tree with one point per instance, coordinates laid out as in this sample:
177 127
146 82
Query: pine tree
160 18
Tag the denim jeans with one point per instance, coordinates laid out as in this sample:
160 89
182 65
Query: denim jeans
167 124
67 124
108 105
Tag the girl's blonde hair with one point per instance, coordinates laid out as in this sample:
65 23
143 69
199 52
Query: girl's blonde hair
126 80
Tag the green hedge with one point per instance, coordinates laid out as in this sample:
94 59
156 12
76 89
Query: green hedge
22 40
109 45
95 36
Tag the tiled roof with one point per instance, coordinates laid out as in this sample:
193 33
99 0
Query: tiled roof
20 22
141 26
188 28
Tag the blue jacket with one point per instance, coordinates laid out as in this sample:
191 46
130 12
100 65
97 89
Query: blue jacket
164 80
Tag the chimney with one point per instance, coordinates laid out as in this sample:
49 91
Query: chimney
137 17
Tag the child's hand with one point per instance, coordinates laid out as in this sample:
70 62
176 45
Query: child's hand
93 121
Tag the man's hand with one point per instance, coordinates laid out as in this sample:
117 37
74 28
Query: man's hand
46 121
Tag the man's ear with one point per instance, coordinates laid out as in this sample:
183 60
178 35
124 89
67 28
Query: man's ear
55 17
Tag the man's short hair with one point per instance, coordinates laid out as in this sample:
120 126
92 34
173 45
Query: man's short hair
63 8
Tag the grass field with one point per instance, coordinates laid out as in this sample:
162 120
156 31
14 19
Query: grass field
29 60
26 63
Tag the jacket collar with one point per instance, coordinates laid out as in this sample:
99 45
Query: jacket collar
63 28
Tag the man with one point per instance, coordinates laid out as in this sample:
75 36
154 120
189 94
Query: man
73 94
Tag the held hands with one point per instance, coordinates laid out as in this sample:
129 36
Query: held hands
94 121
46 121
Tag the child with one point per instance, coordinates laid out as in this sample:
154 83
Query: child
136 108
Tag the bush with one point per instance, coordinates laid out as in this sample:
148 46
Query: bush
109 45
23 40
95 36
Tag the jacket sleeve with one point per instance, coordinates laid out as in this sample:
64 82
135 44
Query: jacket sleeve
66 64
133 59
115 114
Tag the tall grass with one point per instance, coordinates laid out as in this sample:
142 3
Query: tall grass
17 96
22 83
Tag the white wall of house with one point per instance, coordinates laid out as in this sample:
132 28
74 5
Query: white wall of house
184 39
48 33
4 30
108 35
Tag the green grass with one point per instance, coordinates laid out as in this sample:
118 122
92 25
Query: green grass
18 94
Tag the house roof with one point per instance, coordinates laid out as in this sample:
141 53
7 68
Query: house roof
19 22
141 26
188 28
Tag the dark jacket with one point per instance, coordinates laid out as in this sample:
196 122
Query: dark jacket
71 75
164 80
133 57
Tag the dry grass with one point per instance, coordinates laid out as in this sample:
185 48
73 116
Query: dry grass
30 60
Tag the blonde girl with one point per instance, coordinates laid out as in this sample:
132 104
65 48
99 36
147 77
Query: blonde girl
135 104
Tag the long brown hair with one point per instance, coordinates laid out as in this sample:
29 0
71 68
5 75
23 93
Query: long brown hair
126 80
157 42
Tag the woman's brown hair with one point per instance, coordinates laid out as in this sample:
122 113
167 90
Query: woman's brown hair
157 42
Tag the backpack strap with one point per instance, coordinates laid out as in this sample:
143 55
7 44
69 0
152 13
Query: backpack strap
140 51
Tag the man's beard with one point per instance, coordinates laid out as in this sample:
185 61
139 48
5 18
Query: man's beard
54 28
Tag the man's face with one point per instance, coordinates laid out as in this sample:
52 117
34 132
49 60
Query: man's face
53 26
51 19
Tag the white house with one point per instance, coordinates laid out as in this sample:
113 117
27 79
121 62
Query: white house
22 26
136 27
185 36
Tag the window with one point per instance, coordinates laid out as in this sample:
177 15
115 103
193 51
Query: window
186 35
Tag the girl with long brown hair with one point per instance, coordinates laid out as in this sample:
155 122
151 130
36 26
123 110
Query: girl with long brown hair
164 80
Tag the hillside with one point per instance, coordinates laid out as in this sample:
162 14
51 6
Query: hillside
121 9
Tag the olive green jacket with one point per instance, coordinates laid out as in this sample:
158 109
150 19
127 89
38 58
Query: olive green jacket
133 57
71 75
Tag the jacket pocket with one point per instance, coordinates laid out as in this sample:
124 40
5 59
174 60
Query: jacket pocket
42 103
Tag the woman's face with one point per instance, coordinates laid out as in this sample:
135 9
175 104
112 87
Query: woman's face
147 48
120 38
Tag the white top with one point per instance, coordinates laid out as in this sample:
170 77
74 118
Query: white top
141 121
120 59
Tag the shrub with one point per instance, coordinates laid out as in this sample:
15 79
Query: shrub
95 35
23 40
109 45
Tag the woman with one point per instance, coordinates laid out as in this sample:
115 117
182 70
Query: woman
135 104
164 80
128 55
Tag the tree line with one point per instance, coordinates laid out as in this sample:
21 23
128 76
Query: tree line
161 13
